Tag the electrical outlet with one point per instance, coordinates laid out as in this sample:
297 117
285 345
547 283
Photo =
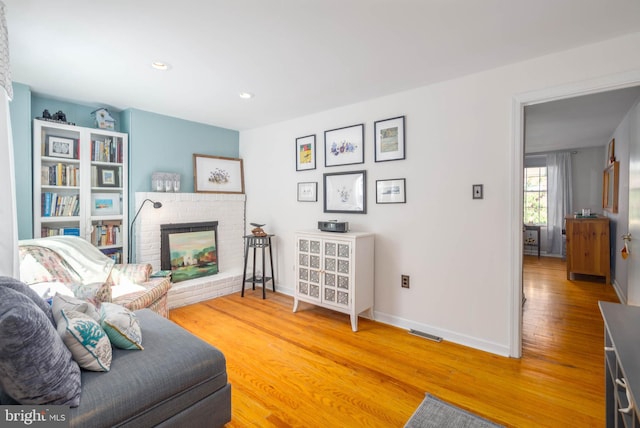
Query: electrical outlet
404 281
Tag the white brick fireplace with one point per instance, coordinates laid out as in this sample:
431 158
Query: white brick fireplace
227 209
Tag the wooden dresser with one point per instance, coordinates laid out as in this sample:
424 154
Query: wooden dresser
588 246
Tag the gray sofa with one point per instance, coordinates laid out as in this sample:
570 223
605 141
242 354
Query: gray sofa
177 380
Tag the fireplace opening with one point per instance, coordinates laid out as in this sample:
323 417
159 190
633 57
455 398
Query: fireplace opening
189 250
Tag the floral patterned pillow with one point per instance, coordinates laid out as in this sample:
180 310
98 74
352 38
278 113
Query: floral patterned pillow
88 343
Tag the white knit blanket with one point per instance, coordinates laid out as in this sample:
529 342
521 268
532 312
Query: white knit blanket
91 265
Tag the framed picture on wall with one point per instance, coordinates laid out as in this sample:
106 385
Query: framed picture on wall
344 146
306 153
345 192
391 191
215 174
389 137
612 150
308 192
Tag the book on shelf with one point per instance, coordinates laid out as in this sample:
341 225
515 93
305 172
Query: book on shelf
113 253
106 234
55 205
106 150
55 231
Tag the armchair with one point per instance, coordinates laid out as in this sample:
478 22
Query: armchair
48 271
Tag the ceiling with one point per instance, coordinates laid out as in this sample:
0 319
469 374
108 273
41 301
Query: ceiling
296 56
574 123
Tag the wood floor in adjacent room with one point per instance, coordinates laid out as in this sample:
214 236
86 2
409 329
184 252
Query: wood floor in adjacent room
310 370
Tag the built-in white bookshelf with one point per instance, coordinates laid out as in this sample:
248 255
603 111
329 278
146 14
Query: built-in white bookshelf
80 185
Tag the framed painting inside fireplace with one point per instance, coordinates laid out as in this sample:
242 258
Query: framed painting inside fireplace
216 174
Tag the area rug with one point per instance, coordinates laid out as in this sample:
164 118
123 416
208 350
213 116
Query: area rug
435 413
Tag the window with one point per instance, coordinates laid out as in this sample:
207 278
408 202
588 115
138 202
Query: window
535 195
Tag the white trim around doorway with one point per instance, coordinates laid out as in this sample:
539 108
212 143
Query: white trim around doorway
519 102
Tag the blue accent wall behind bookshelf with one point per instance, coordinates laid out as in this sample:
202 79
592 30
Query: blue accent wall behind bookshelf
20 109
156 143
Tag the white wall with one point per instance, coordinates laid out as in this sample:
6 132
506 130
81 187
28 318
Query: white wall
624 137
586 173
456 249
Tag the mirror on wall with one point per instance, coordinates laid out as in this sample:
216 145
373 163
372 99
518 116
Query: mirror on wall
610 187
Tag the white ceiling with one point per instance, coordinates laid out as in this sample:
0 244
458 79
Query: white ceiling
574 123
297 56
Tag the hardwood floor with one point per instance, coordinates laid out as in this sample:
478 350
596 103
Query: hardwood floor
309 369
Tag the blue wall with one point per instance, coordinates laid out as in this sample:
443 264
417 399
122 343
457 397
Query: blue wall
156 143
76 113
20 109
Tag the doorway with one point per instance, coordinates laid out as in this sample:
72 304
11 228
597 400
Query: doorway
521 101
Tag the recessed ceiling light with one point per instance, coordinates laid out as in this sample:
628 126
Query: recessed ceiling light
159 65
245 95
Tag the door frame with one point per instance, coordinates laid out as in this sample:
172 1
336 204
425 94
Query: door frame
518 103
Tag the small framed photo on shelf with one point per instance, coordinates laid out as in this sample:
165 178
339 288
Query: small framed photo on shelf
108 176
105 204
215 174
60 147
344 146
345 192
308 192
391 191
389 137
306 153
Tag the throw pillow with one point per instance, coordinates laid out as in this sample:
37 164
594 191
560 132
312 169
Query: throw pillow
35 366
121 325
61 301
86 340
22 288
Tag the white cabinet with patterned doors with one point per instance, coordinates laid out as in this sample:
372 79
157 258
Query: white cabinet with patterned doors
335 271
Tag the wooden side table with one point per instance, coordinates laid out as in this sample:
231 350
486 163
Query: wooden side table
258 242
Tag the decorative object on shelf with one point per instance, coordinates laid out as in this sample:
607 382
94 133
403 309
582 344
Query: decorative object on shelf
156 205
306 153
257 229
57 117
389 139
108 176
216 174
105 204
345 192
344 146
308 192
391 191
175 179
103 119
612 150
60 147
165 182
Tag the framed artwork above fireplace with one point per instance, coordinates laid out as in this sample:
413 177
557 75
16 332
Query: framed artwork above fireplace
215 174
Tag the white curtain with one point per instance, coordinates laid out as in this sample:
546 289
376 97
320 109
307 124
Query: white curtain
559 197
9 263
